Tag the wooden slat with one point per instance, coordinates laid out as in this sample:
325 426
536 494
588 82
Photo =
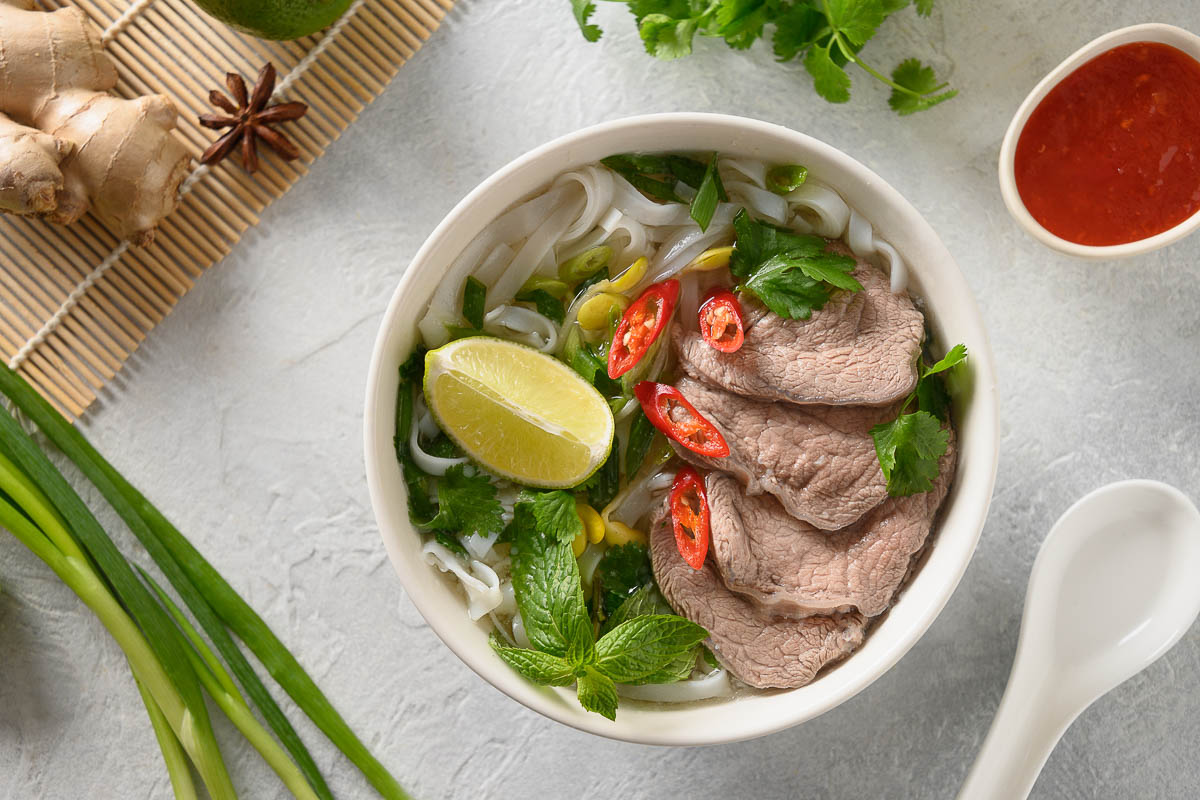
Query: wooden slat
172 48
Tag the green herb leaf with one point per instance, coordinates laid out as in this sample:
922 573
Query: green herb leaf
678 669
474 300
623 570
541 668
554 512
644 645
921 84
931 391
641 434
667 38
786 178
785 284
605 482
829 79
756 242
548 591
448 540
797 28
832 269
955 356
710 193
924 7
740 22
646 600
598 693
583 11
857 20
467 504
546 304
908 449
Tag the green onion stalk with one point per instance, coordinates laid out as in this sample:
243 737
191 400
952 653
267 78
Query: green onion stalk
168 656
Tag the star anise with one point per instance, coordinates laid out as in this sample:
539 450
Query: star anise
250 120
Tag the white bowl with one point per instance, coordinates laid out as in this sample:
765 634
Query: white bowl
955 318
1149 32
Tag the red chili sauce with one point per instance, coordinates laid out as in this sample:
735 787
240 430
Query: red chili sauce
1112 154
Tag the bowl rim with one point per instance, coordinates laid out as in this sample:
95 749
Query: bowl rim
1159 32
953 555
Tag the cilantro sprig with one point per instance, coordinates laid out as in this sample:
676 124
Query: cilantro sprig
791 273
825 35
910 446
643 647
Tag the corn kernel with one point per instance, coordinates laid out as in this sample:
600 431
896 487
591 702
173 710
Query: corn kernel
595 313
716 258
618 533
578 545
593 525
631 276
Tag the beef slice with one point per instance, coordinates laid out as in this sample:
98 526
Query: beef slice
818 461
762 650
794 569
860 349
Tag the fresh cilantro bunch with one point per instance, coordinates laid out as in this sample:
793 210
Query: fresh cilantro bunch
910 446
637 645
825 35
789 272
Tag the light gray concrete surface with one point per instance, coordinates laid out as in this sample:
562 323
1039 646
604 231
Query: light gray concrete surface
241 417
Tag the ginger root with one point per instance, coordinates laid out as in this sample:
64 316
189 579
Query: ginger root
67 146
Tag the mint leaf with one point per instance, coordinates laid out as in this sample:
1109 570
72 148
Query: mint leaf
598 693
830 80
710 193
541 668
548 591
908 449
644 645
921 83
679 669
623 570
855 19
554 513
467 504
646 600
667 38
756 242
583 10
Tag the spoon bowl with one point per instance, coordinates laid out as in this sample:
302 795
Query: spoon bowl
1113 588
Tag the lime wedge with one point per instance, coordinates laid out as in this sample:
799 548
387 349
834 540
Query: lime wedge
519 413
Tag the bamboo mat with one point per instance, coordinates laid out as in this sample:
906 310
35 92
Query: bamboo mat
74 301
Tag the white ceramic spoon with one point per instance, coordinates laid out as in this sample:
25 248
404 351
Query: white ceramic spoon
1115 585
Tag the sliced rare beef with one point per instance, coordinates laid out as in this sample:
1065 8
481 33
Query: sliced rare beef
763 651
818 461
794 569
860 349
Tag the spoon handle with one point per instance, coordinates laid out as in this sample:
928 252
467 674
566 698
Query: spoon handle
1028 725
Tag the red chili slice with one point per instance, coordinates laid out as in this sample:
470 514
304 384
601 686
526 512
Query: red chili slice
670 412
689 515
721 321
643 321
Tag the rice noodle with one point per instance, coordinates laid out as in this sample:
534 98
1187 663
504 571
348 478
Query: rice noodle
681 249
714 684
644 210
512 226
534 250
597 184
524 325
819 209
759 201
635 500
423 421
518 631
482 587
752 169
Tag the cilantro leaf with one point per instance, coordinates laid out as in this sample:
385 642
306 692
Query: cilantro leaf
740 22
924 7
795 286
583 10
796 29
908 449
598 693
623 570
756 242
916 87
541 668
467 504
554 513
955 356
667 38
643 645
830 80
449 541
546 304
931 394
710 193
548 591
857 20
